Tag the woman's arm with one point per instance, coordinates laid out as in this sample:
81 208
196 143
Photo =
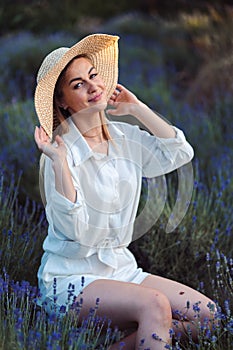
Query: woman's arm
126 102
63 180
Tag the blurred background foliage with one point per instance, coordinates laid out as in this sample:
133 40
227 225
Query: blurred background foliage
49 15
195 38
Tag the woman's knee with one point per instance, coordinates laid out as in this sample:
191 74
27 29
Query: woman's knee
204 312
208 312
157 306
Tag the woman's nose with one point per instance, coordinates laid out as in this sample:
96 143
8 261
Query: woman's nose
91 86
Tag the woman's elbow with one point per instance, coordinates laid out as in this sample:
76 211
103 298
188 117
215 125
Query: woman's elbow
189 153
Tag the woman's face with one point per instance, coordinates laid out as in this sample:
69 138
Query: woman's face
82 87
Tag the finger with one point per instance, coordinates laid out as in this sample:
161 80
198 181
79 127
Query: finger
37 135
120 87
111 102
59 140
43 134
36 132
111 111
115 94
115 110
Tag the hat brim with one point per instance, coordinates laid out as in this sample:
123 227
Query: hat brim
102 49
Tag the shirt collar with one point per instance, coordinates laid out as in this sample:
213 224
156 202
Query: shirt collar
80 149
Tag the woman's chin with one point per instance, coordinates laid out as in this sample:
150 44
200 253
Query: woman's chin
93 108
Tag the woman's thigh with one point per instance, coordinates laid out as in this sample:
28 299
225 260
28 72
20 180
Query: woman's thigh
122 302
182 298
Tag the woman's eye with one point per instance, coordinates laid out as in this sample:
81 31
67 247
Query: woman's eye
92 76
78 85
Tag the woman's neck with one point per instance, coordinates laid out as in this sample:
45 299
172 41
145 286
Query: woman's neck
90 126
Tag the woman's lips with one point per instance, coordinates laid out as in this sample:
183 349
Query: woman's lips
95 98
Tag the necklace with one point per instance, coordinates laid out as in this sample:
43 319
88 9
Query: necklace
91 137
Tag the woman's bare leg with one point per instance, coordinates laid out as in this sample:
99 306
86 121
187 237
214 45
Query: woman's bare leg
180 296
182 300
129 343
129 304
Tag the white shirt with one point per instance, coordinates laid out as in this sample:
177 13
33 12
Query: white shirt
90 237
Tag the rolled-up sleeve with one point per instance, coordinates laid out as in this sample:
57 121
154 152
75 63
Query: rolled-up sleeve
67 220
165 155
160 156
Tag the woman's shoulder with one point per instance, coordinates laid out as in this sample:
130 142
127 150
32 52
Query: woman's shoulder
128 128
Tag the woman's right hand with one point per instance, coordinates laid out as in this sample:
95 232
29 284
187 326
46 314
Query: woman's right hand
54 152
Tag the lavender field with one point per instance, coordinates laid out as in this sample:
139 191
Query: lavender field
189 85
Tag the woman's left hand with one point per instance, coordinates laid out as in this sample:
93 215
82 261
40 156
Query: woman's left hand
123 101
121 94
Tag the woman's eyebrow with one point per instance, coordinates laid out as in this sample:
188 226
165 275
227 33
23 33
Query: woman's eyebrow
79 78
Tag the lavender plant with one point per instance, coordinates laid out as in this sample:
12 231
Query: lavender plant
23 228
24 326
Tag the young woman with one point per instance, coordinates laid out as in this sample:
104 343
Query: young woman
91 171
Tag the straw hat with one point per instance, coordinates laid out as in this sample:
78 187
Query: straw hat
102 49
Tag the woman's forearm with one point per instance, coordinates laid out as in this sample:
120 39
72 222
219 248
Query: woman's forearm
156 125
63 180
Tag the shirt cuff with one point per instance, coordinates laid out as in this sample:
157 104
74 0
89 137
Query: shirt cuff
63 204
178 142
178 139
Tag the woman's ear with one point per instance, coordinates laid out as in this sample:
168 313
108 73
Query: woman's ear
62 104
